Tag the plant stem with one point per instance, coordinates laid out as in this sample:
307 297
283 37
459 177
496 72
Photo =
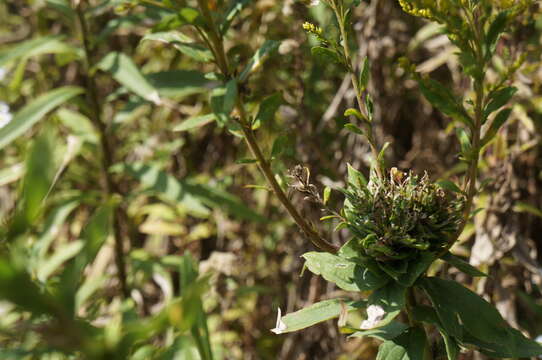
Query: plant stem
106 158
218 48
472 173
339 14
265 168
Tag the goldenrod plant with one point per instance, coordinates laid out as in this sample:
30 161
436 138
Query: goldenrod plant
149 146
400 222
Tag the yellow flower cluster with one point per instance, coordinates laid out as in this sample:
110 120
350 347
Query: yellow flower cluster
413 8
313 29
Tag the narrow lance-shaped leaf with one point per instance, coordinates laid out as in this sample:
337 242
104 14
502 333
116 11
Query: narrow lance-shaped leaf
231 13
34 111
314 314
449 185
499 99
496 28
189 193
442 98
195 122
259 57
183 43
364 74
35 47
462 265
125 71
326 55
40 171
177 84
496 124
268 108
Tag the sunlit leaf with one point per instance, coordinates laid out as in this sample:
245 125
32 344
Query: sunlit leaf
34 111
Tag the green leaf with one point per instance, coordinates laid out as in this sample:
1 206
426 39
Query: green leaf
40 173
195 122
386 332
449 185
416 268
216 100
248 161
279 145
370 106
191 16
268 108
230 97
497 27
443 99
355 177
35 47
78 124
11 174
391 298
326 55
524 207
462 265
428 315
356 113
33 112
353 129
408 346
515 346
346 274
461 310
268 47
125 71
231 14
497 123
364 74
52 227
317 313
464 141
27 295
177 84
94 236
327 194
61 255
195 197
183 43
498 99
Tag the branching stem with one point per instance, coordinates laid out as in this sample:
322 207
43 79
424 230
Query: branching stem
107 155
340 16
265 167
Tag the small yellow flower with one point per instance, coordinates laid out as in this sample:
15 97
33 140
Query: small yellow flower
311 28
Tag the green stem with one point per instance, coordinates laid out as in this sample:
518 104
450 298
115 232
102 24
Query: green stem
265 168
339 14
107 153
252 143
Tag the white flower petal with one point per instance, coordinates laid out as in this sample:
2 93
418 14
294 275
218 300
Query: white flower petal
280 326
314 2
5 115
375 314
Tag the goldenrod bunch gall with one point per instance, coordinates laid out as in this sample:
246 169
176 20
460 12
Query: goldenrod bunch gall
398 217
